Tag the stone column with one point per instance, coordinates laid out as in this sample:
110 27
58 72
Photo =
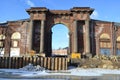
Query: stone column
75 37
49 43
69 48
42 37
97 45
87 36
114 39
31 35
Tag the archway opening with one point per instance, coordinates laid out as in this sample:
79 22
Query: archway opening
60 40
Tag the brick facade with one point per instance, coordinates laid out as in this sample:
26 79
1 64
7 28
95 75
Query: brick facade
85 35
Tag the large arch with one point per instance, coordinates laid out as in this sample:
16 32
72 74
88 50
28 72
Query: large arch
60 39
73 19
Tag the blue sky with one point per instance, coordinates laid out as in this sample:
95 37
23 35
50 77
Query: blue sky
108 10
60 37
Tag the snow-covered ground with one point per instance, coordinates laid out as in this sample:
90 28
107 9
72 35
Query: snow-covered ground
6 73
31 72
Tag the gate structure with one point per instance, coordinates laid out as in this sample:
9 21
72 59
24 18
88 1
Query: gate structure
76 19
25 36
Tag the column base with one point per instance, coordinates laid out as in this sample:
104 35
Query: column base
88 55
42 54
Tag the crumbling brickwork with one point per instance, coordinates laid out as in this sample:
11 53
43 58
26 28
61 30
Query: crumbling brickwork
85 35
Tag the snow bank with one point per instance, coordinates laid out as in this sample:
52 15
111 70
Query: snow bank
93 71
30 67
84 72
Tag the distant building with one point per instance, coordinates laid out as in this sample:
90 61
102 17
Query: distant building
60 52
18 38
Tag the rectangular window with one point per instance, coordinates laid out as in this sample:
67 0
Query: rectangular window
14 43
118 52
118 45
1 44
108 45
2 52
14 52
104 51
105 44
101 44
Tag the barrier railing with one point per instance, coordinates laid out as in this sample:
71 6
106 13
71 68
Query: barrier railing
51 63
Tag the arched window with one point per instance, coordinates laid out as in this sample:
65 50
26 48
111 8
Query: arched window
105 44
118 45
16 35
2 36
104 36
2 43
15 39
2 40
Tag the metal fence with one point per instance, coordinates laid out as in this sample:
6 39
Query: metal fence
51 63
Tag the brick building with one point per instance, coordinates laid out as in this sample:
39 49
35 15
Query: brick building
59 52
18 38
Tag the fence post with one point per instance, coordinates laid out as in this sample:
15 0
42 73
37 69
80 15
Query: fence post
56 61
66 64
52 63
48 63
0 62
38 61
5 62
63 63
9 62
45 61
41 61
24 61
59 64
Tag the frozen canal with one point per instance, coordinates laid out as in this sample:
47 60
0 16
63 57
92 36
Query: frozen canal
72 74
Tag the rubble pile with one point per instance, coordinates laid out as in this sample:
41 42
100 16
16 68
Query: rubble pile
30 67
101 61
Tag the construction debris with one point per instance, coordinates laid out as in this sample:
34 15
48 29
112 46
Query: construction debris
101 61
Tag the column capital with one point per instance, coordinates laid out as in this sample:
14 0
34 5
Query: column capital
88 17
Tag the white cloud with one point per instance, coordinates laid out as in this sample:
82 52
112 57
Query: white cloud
3 21
94 14
30 3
